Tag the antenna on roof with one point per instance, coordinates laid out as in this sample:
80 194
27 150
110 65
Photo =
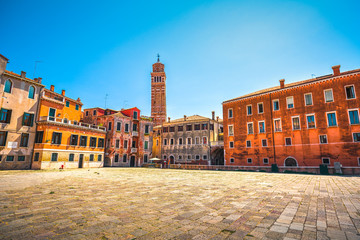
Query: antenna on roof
158 56
106 96
36 62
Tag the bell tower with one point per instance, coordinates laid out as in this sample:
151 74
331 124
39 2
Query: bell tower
158 92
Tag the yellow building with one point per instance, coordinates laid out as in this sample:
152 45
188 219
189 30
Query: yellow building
61 140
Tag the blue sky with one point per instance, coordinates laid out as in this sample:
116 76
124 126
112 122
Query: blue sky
212 50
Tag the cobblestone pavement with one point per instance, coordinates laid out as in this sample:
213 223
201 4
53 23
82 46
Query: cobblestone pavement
135 203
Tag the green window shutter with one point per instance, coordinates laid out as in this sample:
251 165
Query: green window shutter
8 116
53 138
31 120
60 136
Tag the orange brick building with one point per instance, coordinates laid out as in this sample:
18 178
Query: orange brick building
297 126
62 140
158 93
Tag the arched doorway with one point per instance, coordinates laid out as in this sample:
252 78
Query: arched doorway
290 162
217 156
107 162
172 159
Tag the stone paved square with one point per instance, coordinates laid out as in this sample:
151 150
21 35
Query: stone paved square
140 203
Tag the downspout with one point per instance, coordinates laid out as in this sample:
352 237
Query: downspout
272 127
35 118
209 142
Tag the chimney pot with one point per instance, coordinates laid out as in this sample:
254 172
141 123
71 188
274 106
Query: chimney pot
63 92
336 70
52 88
39 79
184 117
282 83
217 118
213 115
23 74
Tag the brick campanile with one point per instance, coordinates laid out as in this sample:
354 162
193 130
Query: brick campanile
158 93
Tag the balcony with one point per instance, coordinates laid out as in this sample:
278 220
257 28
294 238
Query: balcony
64 121
133 150
135 133
217 143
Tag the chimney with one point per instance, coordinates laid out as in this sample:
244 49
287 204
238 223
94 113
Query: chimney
282 83
217 118
52 88
213 115
336 70
23 74
168 119
184 117
63 92
39 80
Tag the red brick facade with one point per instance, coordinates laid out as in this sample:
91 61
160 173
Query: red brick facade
289 137
158 93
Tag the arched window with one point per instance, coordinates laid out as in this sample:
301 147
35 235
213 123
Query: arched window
31 92
8 86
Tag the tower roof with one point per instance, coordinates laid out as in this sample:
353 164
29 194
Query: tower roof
158 66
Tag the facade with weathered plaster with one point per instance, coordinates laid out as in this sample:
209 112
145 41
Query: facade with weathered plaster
189 140
297 125
18 108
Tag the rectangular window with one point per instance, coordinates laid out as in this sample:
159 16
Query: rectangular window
180 141
230 113
9 158
99 158
277 125
356 137
326 161
310 121
117 143
204 140
124 158
54 157
171 141
146 129
56 138
5 115
3 137
197 127
231 130
188 127
265 160
76 107
260 108
188 141
323 139
290 102
276 105
261 126
180 128
197 157
28 119
135 115
350 92
67 104
87 113
165 141
146 145
328 95
189 157
126 127
165 129
71 157
180 157
39 136
250 128
118 126
133 145
94 112
232 160
331 119
295 123
204 157
91 158
116 157
145 158
231 144
264 142
197 140
204 126
109 126
354 116
134 127
21 158
24 142
248 143
249 109
288 141
125 144
308 99
93 142
83 141
74 140
36 157
249 160
101 143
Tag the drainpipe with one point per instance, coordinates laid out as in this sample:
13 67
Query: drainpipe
272 127
209 141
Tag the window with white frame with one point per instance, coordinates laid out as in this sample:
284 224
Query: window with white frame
189 141
358 161
171 141
277 125
180 141
290 102
231 144
295 122
118 126
310 119
326 161
230 113
276 105
165 141
197 157
249 109
204 140
231 130
249 160
197 140
232 160
308 99
323 139
354 116
331 119
264 142
261 126
250 128
180 157
248 143
350 92
260 108
288 141
329 97
266 160
189 157
356 137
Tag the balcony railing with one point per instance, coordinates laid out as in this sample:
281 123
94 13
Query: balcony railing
71 123
217 143
135 133
133 150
